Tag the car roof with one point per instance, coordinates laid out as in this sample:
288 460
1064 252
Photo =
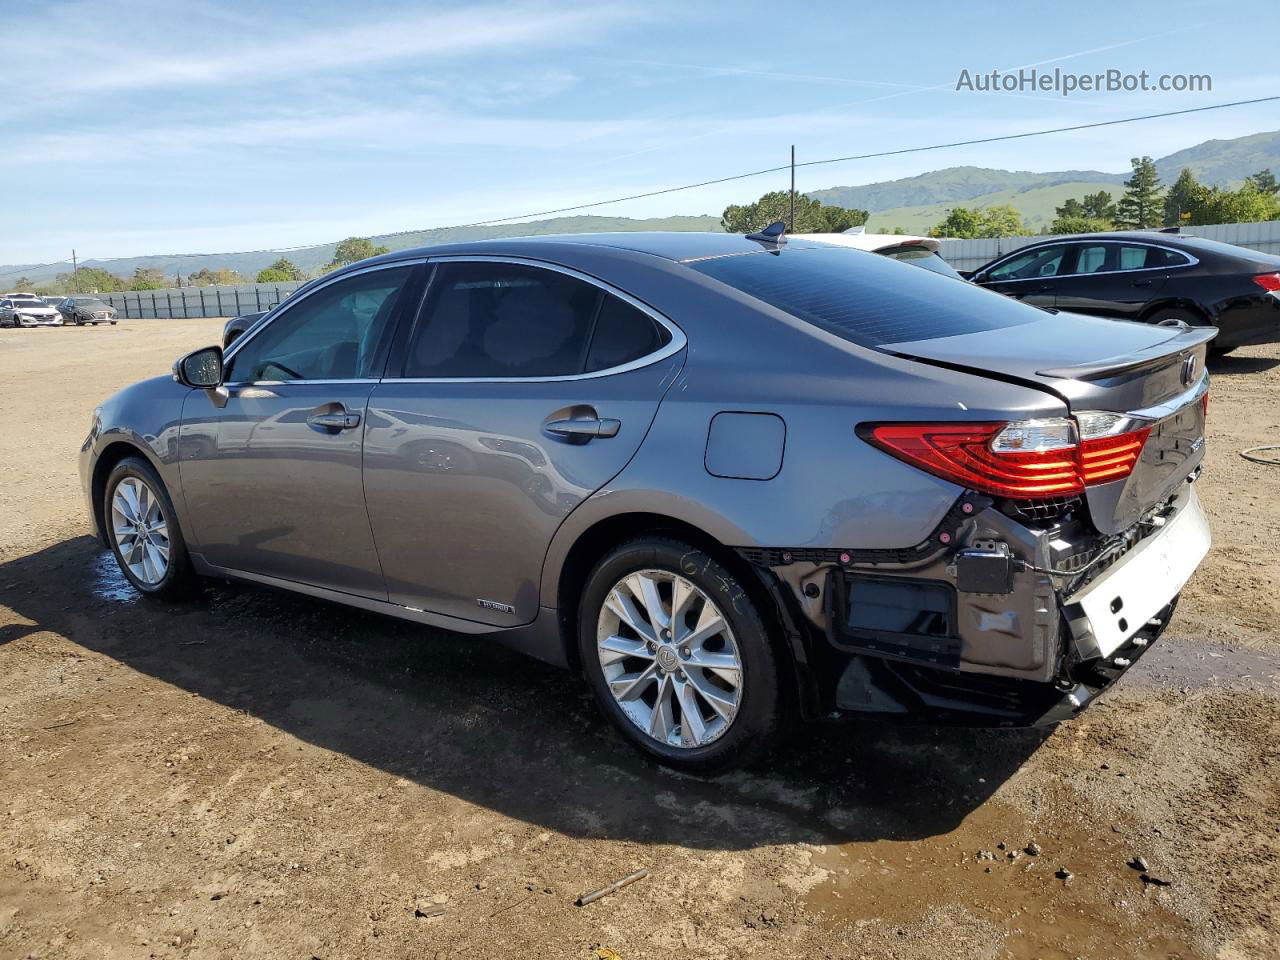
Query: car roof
869 241
681 247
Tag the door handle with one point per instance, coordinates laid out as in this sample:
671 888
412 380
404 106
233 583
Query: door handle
334 421
1142 283
584 430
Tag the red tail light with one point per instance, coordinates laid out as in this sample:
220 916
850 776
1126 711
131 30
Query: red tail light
1110 458
1027 459
1269 282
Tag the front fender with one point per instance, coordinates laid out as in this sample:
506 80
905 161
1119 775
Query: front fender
145 419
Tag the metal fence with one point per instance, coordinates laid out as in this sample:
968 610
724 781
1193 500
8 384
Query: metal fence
971 254
214 301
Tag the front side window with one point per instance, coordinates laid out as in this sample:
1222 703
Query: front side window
502 320
1044 262
333 334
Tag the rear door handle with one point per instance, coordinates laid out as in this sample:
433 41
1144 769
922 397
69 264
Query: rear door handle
334 421
584 430
1142 283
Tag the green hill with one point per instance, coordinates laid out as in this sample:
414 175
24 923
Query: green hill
1036 204
311 259
950 186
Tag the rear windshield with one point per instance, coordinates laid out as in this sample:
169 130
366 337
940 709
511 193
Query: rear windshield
920 257
869 300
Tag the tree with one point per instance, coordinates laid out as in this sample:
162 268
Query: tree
1264 181
1246 205
147 278
1141 207
205 277
22 283
352 249
811 215
1099 206
90 280
1000 220
282 271
1185 199
1079 224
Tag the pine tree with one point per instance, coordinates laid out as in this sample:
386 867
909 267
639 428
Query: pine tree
1141 207
1184 200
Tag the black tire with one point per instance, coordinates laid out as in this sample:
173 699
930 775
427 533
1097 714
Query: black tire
179 578
757 720
113 323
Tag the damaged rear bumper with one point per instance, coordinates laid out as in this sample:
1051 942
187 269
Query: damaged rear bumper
1001 619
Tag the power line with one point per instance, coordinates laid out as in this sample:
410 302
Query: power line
869 156
729 179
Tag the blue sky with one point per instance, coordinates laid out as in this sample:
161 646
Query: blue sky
161 126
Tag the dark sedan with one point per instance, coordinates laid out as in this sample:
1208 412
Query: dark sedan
1151 277
82 310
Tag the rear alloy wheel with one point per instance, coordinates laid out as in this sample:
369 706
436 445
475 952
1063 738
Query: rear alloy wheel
678 656
143 530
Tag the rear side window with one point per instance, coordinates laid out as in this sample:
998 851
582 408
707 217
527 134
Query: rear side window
623 334
870 301
500 320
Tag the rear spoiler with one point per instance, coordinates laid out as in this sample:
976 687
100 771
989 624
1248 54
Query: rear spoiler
1186 339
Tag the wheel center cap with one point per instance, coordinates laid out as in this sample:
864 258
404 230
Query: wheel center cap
668 659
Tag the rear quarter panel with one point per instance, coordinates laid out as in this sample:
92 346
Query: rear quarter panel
833 490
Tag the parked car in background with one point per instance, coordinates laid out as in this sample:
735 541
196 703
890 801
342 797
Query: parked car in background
236 326
1149 276
21 297
28 313
917 251
81 310
728 480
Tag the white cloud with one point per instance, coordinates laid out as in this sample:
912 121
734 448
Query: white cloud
105 49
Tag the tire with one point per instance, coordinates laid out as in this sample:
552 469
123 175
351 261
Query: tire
735 724
113 323
141 567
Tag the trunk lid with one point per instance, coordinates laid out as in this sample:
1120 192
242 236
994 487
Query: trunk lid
1154 372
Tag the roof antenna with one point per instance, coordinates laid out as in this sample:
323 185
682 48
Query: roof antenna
773 233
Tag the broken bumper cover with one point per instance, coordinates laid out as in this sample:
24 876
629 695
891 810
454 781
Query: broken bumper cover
874 685
1104 628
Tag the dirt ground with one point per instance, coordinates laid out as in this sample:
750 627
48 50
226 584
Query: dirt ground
260 775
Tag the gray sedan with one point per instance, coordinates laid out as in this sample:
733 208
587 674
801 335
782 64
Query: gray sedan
731 480
81 310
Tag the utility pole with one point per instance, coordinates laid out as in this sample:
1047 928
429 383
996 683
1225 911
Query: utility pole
792 226
75 271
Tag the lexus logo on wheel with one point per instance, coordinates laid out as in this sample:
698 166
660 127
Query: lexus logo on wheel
1188 370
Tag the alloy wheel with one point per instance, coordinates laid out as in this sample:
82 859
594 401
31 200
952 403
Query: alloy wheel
141 530
669 659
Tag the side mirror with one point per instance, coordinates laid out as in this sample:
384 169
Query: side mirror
201 368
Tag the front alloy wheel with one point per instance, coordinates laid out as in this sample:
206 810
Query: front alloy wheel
669 658
678 655
141 530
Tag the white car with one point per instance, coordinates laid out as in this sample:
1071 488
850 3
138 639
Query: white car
918 251
23 312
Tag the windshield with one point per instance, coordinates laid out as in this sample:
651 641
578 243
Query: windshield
88 302
870 301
